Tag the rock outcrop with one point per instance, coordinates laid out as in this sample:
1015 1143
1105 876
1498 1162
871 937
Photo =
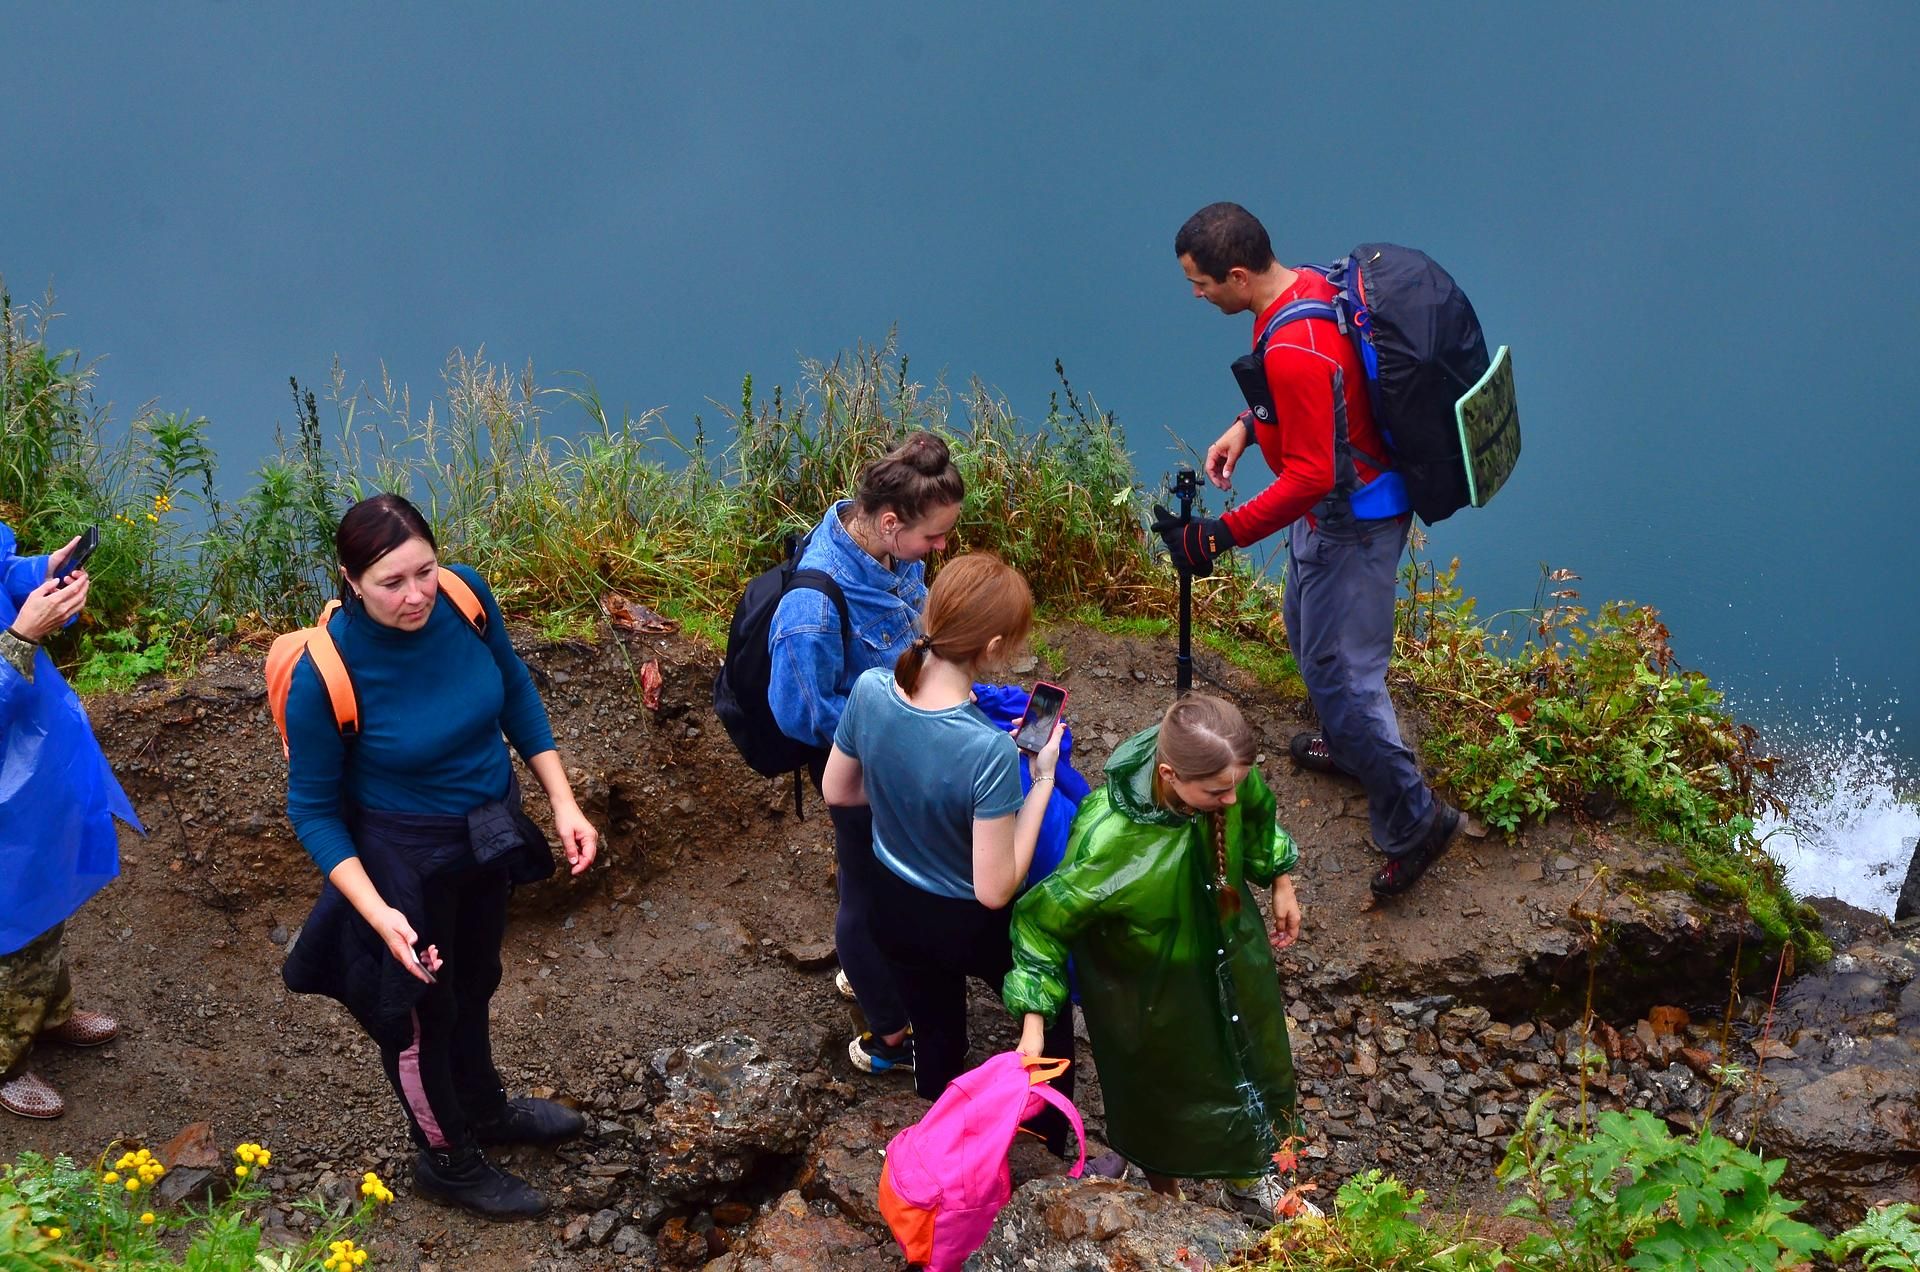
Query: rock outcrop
1840 1091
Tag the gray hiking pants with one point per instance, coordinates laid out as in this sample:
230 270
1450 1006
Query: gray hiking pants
1339 616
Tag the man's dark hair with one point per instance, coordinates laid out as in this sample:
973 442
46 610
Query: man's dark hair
374 527
1222 235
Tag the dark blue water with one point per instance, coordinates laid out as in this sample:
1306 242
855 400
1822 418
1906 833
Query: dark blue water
1694 228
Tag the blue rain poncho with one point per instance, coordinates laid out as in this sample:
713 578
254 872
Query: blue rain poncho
58 797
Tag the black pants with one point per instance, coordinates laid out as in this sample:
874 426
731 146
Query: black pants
853 935
445 1076
935 943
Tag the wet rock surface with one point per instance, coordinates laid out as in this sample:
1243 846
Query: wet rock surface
726 1111
1840 1094
638 992
1106 1225
795 1236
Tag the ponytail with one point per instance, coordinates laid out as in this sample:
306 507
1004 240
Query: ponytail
974 598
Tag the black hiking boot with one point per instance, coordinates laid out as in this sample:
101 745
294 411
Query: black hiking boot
530 1121
1310 752
464 1177
1402 872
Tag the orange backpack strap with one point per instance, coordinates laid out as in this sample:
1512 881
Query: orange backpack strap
465 599
316 643
1041 1069
333 673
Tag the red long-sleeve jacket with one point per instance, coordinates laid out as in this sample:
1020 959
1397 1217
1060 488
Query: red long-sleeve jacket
1298 446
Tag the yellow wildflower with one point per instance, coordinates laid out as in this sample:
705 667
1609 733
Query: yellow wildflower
146 1217
111 1177
133 1185
263 1158
53 1234
239 1172
151 517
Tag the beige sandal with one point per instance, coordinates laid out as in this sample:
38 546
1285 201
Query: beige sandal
26 1095
83 1029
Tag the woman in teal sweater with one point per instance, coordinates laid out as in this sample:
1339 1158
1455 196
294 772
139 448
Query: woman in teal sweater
415 821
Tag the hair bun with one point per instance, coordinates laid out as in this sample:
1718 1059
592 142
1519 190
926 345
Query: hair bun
926 453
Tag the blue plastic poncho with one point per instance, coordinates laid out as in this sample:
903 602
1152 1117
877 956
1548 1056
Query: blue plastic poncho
58 797
1003 705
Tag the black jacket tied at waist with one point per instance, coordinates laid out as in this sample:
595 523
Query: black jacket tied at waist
339 954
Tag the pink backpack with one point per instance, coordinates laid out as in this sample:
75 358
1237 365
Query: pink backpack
946 1176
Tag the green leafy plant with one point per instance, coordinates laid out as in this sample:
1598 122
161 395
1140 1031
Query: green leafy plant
121 657
1887 1238
1636 1196
1375 1227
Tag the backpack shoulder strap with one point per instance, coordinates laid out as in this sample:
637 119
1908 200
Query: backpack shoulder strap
461 593
333 673
1294 313
1072 1115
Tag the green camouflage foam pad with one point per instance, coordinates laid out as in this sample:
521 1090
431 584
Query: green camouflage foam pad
1489 417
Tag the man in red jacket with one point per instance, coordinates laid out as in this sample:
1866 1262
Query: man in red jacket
1346 514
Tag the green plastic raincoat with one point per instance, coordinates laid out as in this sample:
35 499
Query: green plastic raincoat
1184 1008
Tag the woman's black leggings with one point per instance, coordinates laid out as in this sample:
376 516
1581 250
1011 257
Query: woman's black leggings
444 1075
934 944
853 938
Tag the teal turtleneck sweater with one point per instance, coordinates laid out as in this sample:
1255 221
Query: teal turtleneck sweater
434 704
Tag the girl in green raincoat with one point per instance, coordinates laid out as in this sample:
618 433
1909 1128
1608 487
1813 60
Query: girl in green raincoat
1172 960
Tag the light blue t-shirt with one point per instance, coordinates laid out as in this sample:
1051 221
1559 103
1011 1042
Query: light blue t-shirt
929 775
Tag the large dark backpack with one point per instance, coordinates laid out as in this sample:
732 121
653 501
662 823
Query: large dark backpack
740 690
1421 344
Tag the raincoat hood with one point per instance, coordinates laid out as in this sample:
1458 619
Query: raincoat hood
1130 782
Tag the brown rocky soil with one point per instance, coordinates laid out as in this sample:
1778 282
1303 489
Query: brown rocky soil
1422 1028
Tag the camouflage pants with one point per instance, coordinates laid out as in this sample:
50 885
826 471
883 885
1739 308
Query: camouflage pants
35 995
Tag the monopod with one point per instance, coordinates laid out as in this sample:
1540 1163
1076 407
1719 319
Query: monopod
1185 485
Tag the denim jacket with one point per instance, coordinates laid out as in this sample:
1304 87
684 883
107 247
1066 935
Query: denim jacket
812 670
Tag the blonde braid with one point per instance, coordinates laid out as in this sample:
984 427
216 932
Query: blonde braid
1228 895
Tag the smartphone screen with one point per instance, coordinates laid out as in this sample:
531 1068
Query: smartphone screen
1043 710
84 549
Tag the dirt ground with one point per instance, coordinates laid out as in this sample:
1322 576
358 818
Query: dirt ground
680 933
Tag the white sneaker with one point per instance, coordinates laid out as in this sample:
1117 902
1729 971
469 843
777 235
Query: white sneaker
1263 1196
844 986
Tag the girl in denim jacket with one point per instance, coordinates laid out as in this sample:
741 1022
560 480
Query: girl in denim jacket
874 546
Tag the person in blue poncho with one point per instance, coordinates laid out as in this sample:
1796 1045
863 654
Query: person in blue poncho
58 846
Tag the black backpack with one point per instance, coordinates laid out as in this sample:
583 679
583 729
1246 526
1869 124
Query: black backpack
1421 344
740 690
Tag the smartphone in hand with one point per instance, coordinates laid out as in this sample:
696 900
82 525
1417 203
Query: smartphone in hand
81 551
1043 712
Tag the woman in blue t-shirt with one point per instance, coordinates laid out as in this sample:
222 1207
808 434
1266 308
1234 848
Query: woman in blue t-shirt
415 822
950 823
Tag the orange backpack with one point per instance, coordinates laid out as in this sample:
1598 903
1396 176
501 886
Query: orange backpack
316 642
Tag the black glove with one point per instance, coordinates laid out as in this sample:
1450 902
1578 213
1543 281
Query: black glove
1193 544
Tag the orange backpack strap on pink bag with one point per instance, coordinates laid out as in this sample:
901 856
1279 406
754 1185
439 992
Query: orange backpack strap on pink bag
316 643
